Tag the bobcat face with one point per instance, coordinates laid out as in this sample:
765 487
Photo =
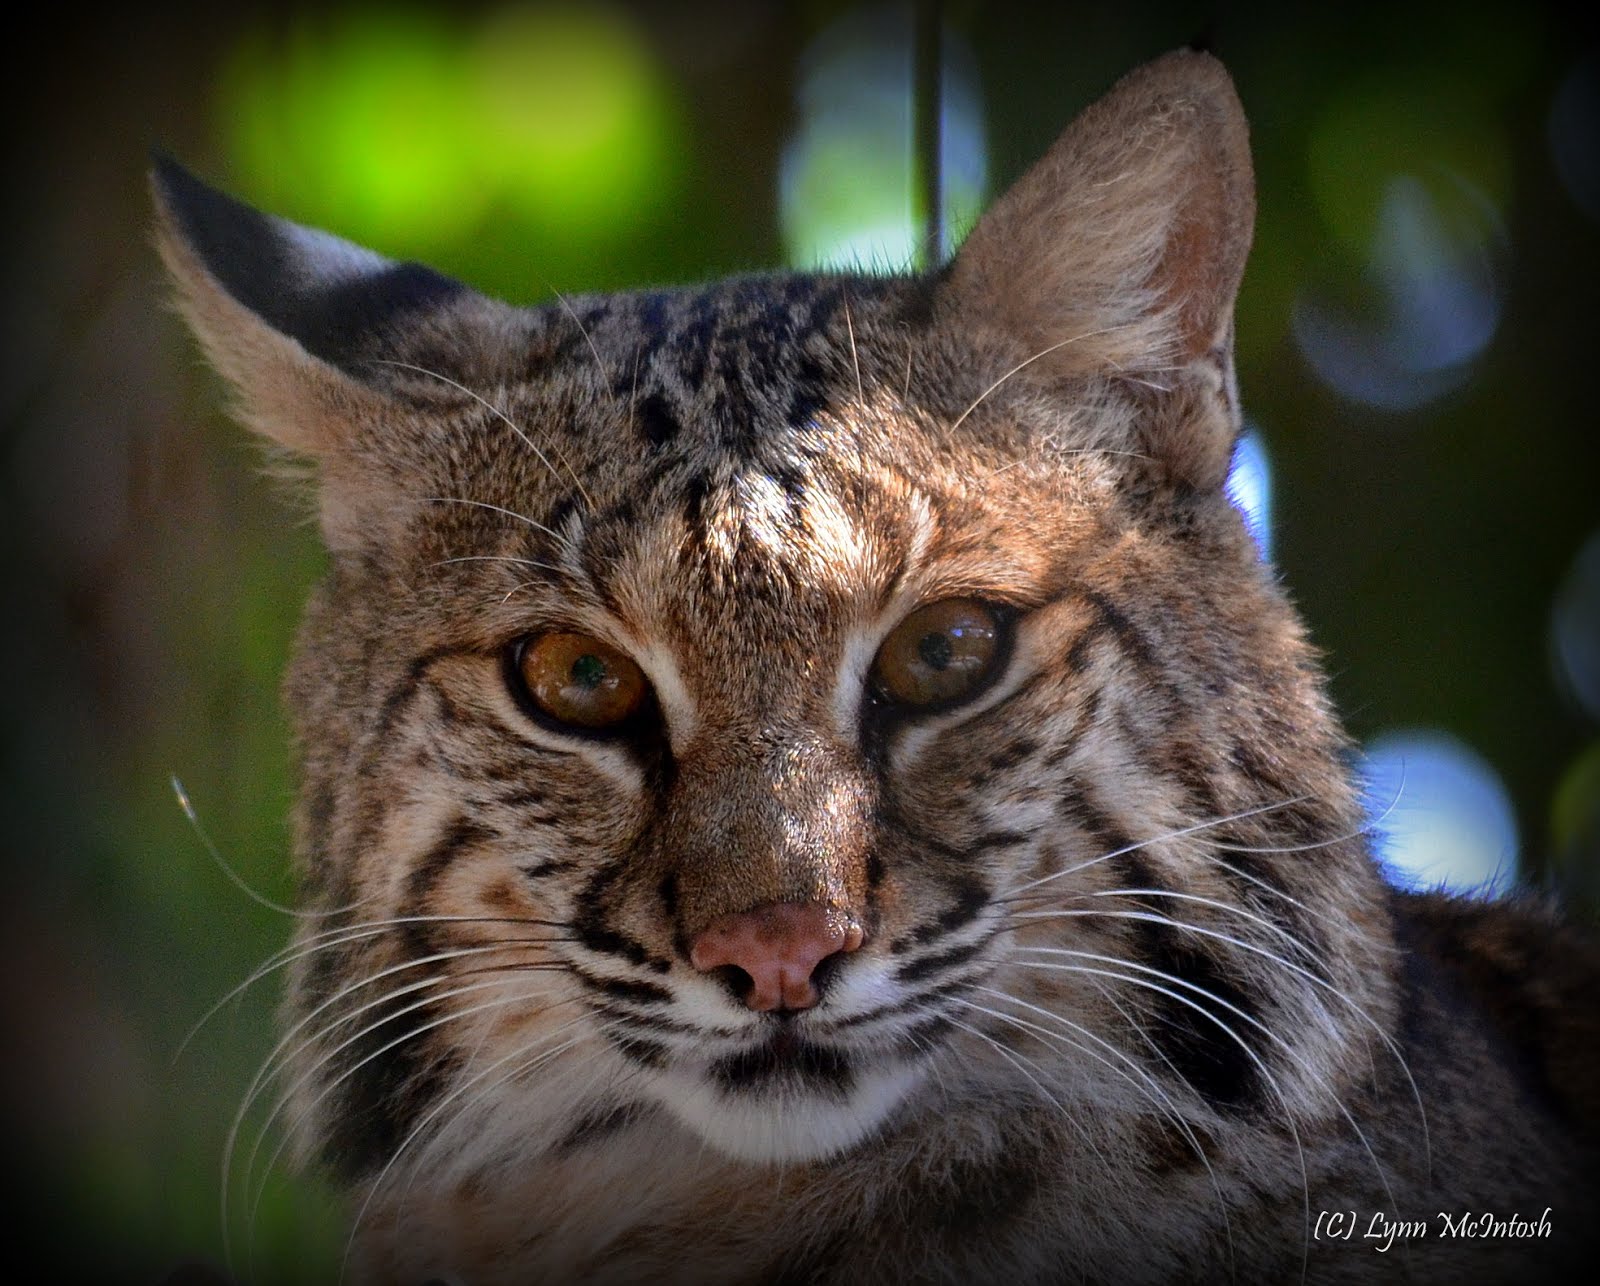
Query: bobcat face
804 709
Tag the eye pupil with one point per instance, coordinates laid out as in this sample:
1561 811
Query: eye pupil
939 654
937 650
588 671
579 681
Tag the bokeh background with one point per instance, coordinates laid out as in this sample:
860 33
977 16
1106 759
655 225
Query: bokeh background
1416 353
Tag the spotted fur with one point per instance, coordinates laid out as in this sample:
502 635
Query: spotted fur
1132 1003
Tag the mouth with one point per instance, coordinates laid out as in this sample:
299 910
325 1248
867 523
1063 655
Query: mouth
788 1061
787 1097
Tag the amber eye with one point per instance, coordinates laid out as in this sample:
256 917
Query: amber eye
939 653
581 681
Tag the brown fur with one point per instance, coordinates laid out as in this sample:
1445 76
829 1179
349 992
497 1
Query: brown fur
1133 1003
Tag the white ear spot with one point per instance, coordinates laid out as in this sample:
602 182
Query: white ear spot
321 258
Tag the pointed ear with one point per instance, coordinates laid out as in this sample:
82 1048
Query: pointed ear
1120 252
290 316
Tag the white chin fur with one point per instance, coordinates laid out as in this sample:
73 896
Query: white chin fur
785 1125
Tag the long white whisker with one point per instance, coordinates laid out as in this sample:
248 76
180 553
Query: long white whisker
1150 1088
1365 828
234 877
497 558
300 948
1195 829
500 415
377 1183
499 509
505 1078
1299 971
1277 1088
1231 909
1016 1060
408 1035
1045 352
281 1056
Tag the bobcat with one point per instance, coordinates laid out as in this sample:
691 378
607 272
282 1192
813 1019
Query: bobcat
807 779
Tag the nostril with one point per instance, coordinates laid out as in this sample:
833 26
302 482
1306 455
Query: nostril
737 981
780 948
822 975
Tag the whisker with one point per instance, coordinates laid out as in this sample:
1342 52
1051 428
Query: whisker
1364 829
277 1060
509 513
855 357
599 366
1254 1022
497 558
500 415
1016 1060
408 1035
1022 365
300 948
1242 912
281 1056
1195 829
1277 1088
462 1109
1150 1089
1307 975
234 877
377 1184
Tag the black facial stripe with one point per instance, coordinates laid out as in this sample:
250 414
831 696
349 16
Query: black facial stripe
1189 1032
1194 1036
924 1001
1129 637
637 992
589 924
383 1080
997 839
403 693
1077 658
1079 810
646 1053
1012 755
606 941
461 835
927 965
538 869
665 1026
971 898
598 1125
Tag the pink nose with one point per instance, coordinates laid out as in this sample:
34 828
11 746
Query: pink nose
780 946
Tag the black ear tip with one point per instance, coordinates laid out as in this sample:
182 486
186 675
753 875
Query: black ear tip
166 174
178 188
